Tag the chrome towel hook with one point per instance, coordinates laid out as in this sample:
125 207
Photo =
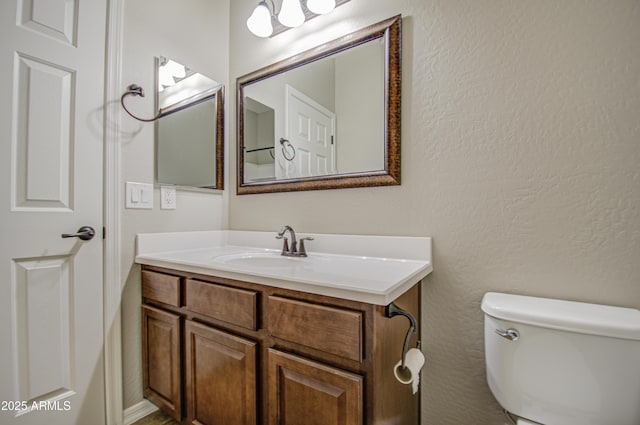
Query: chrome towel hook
136 90
393 310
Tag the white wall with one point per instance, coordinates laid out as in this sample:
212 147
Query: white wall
359 98
520 153
194 33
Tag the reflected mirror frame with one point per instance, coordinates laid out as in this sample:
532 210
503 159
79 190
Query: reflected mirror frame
219 148
391 31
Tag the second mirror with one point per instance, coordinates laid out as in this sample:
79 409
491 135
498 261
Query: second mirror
190 131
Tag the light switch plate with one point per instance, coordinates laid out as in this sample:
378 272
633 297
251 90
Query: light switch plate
167 198
139 196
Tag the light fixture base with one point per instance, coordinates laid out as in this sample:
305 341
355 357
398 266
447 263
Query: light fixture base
278 28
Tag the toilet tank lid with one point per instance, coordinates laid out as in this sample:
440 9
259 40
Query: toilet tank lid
594 319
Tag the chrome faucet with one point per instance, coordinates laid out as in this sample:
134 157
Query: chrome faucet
292 250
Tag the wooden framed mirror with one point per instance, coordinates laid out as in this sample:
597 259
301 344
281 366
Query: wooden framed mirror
190 127
327 118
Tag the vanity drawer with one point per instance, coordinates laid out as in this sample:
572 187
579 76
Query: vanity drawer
231 305
329 329
161 287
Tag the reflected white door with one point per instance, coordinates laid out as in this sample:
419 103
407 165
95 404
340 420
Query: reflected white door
310 129
51 149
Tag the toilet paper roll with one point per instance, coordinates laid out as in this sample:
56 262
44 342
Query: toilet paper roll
413 362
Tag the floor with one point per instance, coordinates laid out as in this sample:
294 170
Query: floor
156 418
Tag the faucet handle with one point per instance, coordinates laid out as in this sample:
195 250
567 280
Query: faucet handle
285 245
302 251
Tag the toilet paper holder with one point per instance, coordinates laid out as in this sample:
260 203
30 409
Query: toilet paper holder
393 310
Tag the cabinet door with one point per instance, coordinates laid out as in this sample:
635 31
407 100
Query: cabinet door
221 377
161 359
304 392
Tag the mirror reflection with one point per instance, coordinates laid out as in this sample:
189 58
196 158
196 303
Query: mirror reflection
190 133
324 119
318 109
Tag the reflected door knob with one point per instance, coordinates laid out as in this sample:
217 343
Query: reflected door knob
86 233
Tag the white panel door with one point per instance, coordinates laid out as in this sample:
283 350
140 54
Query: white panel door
310 128
51 149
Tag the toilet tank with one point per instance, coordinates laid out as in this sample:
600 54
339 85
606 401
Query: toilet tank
572 363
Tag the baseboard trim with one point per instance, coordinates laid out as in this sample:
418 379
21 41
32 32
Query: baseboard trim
138 411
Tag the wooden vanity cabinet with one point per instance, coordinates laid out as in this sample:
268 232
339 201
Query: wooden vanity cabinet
224 352
220 376
305 392
161 336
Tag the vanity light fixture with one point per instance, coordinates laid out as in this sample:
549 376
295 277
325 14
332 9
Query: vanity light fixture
320 7
259 23
169 73
165 80
175 69
293 13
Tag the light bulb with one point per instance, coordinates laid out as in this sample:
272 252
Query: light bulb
291 14
259 23
320 7
175 69
165 78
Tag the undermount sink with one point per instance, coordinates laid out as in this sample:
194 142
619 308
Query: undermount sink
261 259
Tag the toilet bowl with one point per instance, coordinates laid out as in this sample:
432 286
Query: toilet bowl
555 362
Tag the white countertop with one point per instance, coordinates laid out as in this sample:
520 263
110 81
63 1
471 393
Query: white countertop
371 269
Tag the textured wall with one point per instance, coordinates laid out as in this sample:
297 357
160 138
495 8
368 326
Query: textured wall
195 33
520 150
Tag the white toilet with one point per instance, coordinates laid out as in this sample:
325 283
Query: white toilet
558 362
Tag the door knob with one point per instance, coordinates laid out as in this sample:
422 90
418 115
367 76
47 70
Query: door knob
86 233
